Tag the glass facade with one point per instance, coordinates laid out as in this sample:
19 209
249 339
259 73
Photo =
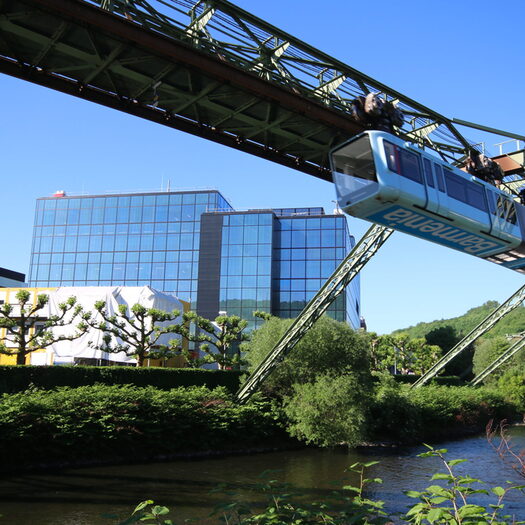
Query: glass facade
196 246
276 260
127 240
246 264
307 251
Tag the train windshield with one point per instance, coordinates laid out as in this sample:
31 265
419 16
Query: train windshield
354 171
355 159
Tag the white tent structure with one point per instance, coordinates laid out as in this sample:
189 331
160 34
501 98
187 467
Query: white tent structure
83 348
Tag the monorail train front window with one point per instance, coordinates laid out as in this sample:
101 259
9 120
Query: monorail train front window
356 159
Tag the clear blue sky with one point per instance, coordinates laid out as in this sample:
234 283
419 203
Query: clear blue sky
463 59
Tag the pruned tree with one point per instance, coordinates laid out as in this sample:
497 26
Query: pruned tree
219 340
136 331
28 327
265 316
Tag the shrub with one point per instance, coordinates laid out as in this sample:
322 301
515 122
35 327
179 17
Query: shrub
329 411
93 423
15 379
329 347
512 386
433 412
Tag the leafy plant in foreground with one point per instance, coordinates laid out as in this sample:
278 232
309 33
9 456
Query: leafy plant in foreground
448 503
452 503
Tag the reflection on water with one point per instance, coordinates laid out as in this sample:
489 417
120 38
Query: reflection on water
83 496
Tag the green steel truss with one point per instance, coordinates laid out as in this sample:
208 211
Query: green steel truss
207 68
512 302
362 252
503 358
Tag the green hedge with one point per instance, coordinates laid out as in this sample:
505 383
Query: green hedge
435 412
19 378
439 380
123 423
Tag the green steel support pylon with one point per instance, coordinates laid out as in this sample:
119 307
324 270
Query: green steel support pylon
504 357
512 302
336 283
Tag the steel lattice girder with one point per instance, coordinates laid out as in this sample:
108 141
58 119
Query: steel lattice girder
510 304
210 69
362 252
503 358
77 48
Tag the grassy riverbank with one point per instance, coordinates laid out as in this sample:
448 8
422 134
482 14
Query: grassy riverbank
91 424
434 413
101 423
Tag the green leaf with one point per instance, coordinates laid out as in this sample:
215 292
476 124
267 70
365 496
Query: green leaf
434 514
143 505
157 510
454 462
441 475
437 489
499 491
437 500
412 493
471 510
353 489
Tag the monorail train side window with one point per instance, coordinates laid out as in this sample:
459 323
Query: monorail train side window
391 156
455 186
410 165
476 196
439 177
428 173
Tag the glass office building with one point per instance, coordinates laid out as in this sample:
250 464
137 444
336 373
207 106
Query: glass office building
128 240
272 261
195 245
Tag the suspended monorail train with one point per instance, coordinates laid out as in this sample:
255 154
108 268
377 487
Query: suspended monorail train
385 180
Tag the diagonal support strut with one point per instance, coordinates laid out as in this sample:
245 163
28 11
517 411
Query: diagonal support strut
503 358
362 252
512 302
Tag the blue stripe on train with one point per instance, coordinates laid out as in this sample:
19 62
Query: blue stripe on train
434 230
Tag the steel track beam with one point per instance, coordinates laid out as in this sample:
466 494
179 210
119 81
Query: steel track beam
161 117
503 358
512 302
362 252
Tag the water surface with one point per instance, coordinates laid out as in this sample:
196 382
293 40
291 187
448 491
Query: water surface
83 496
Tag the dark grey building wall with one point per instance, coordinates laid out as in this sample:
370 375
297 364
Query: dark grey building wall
209 266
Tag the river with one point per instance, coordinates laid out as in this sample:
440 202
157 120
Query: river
83 496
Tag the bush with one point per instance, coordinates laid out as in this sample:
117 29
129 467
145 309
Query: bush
93 423
438 380
512 385
434 412
329 347
487 351
329 411
18 378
